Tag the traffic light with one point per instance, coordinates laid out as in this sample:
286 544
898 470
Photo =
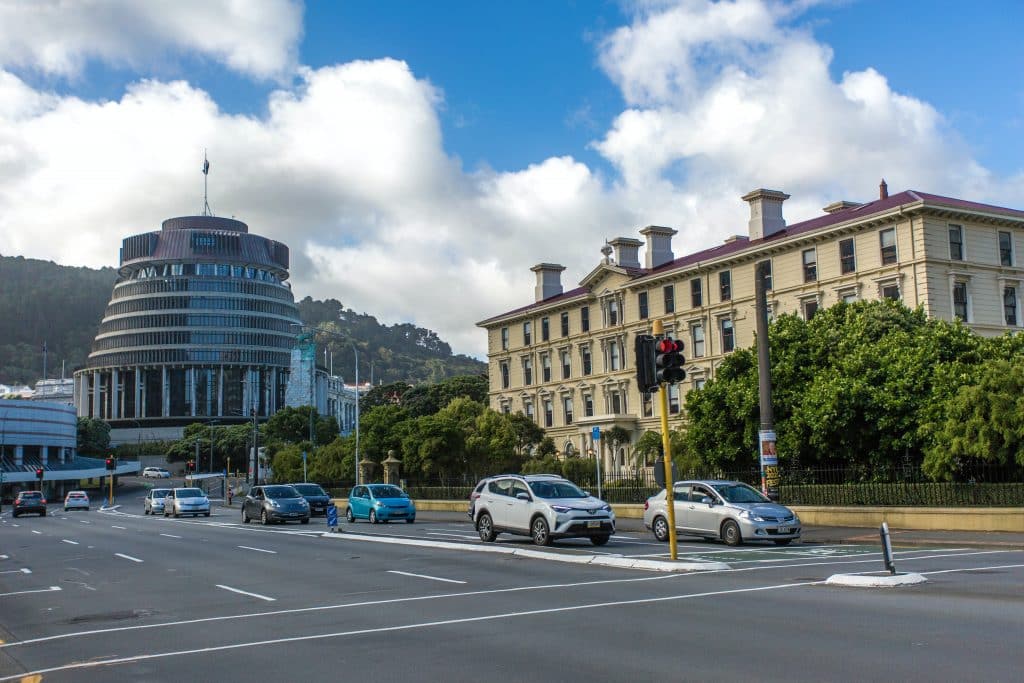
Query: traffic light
39 473
668 360
646 380
190 466
111 464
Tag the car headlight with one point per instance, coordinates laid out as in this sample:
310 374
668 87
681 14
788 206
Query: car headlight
607 507
274 504
378 504
747 514
561 508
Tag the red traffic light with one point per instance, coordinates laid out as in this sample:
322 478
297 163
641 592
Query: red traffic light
668 345
110 463
39 473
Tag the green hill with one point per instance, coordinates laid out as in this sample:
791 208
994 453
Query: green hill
41 301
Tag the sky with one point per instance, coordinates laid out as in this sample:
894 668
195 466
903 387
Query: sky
418 158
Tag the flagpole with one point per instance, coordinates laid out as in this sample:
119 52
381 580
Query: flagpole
206 178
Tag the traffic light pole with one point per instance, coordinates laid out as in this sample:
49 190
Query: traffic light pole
110 497
670 503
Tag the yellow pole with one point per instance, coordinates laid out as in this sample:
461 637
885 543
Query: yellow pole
670 504
111 478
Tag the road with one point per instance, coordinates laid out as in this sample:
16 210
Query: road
112 596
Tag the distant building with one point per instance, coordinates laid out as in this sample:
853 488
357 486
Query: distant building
566 359
55 391
15 391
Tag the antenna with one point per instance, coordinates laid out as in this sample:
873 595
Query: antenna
206 176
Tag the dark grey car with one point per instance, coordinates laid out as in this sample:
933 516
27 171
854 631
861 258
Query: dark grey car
275 503
315 496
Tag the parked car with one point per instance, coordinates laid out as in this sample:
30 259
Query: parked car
380 503
474 495
186 501
76 500
29 502
275 503
153 503
156 472
315 496
542 506
718 509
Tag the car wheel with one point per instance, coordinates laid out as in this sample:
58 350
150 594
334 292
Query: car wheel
43 513
144 511
206 514
410 520
485 527
731 533
349 516
176 514
264 520
245 516
540 532
373 516
65 509
305 520
14 514
660 528
782 541
599 540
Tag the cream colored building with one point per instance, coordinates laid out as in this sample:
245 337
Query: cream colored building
567 359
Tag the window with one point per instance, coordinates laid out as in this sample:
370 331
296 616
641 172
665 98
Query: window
960 300
505 382
887 239
585 358
810 307
696 293
566 365
1010 305
728 340
504 339
545 329
549 412
648 404
585 318
956 242
506 409
588 405
616 402
528 407
725 285
847 264
697 345
1006 248
699 383
565 324
673 399
891 291
810 265
567 409
613 312
642 302
670 298
527 371
545 366
613 356
526 334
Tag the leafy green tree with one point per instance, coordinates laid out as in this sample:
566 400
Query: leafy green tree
93 436
526 434
434 446
381 430
287 464
291 425
385 394
546 448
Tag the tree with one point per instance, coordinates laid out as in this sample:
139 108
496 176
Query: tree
546 448
526 434
93 436
291 425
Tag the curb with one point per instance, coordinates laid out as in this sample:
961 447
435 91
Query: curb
597 560
875 581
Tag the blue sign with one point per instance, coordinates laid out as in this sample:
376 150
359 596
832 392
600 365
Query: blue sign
595 433
332 515
303 456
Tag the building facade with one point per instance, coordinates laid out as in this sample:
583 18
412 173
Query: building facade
200 327
567 359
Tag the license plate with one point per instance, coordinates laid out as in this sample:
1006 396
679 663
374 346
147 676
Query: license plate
293 514
594 525
783 529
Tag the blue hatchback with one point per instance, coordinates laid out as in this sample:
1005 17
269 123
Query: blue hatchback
380 503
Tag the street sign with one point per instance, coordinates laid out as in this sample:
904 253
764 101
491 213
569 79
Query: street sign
595 433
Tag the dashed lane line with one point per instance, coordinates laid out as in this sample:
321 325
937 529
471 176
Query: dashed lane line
424 576
64 540
242 592
128 557
259 550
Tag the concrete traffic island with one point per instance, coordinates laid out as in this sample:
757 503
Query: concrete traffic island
875 580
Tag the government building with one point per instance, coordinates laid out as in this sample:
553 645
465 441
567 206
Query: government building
566 360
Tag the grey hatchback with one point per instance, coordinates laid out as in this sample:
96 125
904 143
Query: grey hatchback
275 503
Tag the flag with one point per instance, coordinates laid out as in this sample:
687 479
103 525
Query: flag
206 167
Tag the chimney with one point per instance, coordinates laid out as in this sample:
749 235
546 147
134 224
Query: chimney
765 212
659 245
549 280
883 190
843 205
627 251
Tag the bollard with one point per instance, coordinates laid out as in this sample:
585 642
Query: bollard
332 518
887 548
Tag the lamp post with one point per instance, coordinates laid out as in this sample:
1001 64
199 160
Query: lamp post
209 426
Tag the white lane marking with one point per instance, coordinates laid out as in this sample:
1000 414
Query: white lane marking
36 532
403 627
4 557
170 536
973 569
40 590
16 525
23 570
252 595
128 557
114 526
424 576
64 540
84 522
259 550
464 536
344 605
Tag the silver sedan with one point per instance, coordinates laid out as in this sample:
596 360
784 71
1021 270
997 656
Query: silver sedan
153 504
729 510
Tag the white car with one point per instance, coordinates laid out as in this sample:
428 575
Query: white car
156 472
76 500
186 501
154 502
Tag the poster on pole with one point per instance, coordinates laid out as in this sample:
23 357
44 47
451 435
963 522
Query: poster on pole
769 464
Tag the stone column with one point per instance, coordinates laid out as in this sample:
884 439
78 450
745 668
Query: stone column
97 406
191 383
19 455
165 393
115 395
44 455
220 391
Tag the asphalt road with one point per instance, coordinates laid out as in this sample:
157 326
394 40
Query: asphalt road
112 596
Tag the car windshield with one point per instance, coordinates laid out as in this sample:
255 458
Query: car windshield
280 492
30 494
160 493
740 493
386 491
190 493
309 489
556 489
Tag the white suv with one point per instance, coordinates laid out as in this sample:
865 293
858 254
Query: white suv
158 472
542 506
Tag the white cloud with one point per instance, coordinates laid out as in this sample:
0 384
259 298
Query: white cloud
348 166
56 37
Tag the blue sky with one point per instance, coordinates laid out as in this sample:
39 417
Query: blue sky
461 143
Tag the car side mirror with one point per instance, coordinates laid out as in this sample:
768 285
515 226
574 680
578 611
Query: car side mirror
523 496
707 500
